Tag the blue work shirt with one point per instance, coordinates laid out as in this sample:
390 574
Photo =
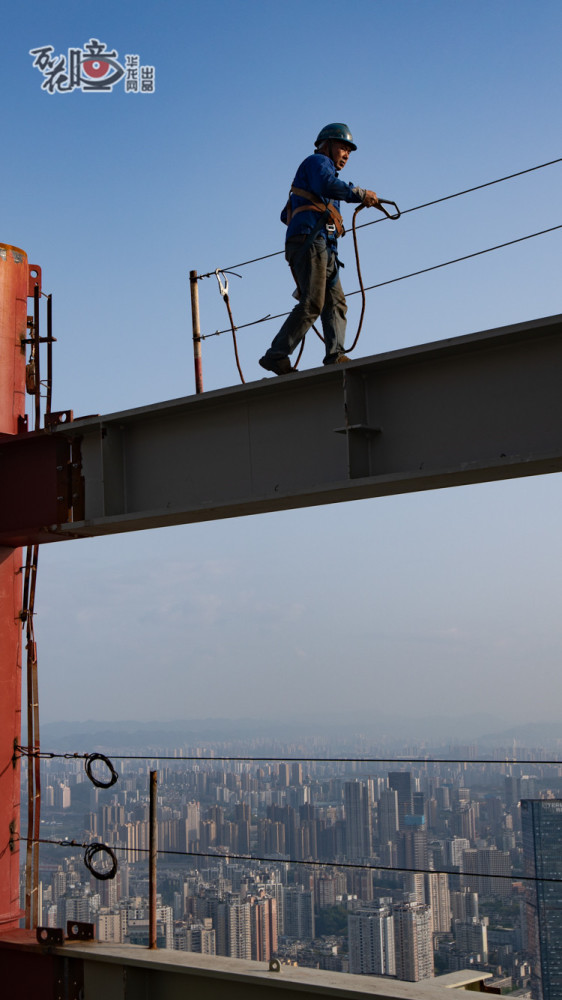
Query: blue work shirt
318 174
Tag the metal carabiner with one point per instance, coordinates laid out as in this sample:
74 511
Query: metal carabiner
385 201
222 288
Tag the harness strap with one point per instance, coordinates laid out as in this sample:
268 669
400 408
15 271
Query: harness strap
317 205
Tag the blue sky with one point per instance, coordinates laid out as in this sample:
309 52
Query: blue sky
443 602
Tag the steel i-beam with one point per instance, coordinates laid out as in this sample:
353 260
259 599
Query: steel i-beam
466 410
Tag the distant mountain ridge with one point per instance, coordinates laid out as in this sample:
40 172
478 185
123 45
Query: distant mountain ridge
394 733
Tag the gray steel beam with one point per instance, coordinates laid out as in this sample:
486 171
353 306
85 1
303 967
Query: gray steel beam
467 410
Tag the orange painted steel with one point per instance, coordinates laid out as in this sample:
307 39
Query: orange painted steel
16 282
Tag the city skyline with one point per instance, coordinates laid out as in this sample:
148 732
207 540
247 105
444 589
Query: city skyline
254 851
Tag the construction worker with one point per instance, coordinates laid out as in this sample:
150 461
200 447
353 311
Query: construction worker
314 223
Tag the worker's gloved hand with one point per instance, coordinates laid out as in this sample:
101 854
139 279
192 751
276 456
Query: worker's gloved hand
370 199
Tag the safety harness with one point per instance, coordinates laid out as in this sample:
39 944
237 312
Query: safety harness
329 211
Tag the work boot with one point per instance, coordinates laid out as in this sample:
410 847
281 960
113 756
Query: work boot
279 366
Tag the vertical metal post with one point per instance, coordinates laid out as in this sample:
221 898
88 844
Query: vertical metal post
153 851
14 290
37 345
196 331
49 353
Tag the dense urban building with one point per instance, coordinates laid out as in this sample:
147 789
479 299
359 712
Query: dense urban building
371 940
413 940
342 865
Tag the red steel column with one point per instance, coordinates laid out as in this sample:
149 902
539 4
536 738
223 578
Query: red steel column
14 287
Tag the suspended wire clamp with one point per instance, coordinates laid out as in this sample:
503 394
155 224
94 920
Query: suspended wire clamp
223 289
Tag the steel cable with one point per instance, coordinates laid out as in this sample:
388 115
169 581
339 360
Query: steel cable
50 755
406 211
231 856
412 274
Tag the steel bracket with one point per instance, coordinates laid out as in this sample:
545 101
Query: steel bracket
77 931
49 935
58 417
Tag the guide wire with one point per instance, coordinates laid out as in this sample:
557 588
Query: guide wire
229 856
50 755
402 277
91 850
88 758
406 211
458 260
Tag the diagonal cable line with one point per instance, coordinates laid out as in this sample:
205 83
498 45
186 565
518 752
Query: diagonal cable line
406 211
402 277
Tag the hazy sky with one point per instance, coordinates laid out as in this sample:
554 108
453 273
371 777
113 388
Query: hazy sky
432 603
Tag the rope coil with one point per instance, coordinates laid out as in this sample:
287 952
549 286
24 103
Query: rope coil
91 758
91 853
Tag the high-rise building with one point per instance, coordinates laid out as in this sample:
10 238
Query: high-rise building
198 937
401 782
456 847
239 930
512 790
439 899
542 840
284 774
296 774
263 928
327 887
62 796
486 871
358 823
442 794
413 856
190 825
371 940
418 804
299 912
464 905
471 937
413 941
529 786
138 926
387 816
109 927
